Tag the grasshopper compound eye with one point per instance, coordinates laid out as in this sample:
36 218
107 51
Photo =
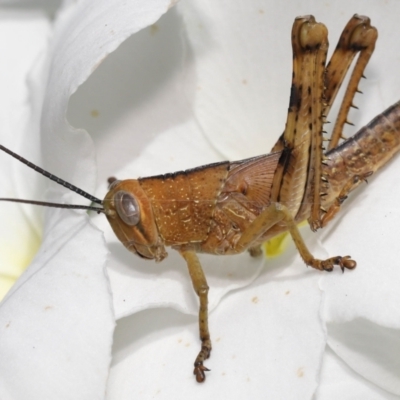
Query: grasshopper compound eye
127 208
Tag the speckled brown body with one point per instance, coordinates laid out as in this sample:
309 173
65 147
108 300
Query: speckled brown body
210 207
184 202
207 207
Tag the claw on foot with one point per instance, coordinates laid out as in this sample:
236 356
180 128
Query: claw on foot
346 262
199 371
342 262
255 251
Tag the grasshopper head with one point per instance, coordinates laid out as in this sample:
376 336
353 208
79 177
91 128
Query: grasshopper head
130 215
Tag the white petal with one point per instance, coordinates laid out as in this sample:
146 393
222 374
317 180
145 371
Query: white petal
19 234
143 80
56 323
361 307
367 231
338 381
66 327
85 35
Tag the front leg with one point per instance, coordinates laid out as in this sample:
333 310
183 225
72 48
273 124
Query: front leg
201 288
277 213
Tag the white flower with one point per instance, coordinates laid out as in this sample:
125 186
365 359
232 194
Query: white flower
208 81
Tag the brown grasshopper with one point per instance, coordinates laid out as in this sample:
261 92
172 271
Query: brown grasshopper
229 207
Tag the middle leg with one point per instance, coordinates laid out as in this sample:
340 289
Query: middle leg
277 213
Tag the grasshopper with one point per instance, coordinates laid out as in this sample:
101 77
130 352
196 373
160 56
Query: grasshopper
230 207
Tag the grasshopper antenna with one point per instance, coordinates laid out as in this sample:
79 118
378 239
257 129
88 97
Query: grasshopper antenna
57 180
55 205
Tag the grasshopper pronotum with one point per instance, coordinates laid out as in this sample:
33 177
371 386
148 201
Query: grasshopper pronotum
229 207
